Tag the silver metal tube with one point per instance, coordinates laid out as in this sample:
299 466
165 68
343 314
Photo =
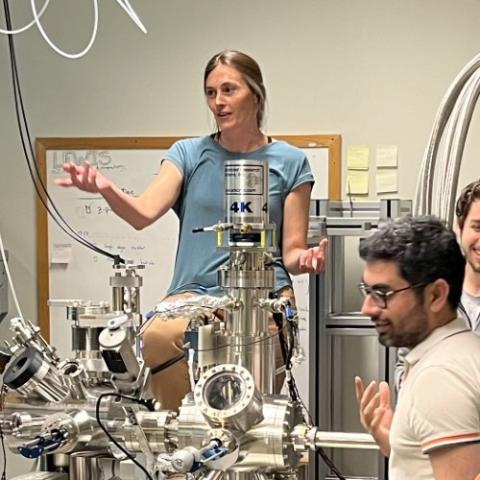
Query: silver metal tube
256 354
38 409
247 334
260 476
213 475
89 465
345 440
117 299
47 382
241 476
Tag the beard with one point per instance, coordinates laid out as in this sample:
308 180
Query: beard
407 331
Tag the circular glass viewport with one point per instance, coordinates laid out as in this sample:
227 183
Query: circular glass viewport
224 390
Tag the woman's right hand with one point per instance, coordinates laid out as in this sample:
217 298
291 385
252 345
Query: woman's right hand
85 177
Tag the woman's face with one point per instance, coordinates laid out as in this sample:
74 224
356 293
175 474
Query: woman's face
230 99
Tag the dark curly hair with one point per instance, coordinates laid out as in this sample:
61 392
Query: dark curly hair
469 194
424 248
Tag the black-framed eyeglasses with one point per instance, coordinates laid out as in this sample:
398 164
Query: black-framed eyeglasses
380 296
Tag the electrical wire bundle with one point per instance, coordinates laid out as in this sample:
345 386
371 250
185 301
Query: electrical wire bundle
457 106
29 153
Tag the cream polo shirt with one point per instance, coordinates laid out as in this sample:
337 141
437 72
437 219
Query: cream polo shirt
439 402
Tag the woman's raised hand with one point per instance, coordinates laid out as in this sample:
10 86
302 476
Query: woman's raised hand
85 177
312 260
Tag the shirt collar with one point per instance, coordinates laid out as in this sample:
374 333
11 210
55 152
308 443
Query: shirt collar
437 336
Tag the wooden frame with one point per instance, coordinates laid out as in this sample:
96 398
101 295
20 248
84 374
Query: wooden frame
42 145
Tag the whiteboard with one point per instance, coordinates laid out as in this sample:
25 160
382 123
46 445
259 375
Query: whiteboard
77 272
67 270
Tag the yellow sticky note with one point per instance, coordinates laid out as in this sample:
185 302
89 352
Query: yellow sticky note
357 157
387 156
357 182
387 180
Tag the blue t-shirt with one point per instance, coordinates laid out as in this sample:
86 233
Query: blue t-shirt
201 204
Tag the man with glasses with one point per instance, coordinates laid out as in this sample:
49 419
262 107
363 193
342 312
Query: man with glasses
412 284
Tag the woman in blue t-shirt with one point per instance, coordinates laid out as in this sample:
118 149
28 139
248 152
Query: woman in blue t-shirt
190 180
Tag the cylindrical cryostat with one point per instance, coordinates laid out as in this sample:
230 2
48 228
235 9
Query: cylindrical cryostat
246 192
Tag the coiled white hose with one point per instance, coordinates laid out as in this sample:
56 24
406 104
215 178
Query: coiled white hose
125 4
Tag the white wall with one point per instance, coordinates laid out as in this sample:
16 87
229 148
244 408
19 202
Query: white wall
372 70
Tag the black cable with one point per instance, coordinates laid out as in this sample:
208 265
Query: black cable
278 319
23 129
108 434
20 114
329 463
287 352
163 366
